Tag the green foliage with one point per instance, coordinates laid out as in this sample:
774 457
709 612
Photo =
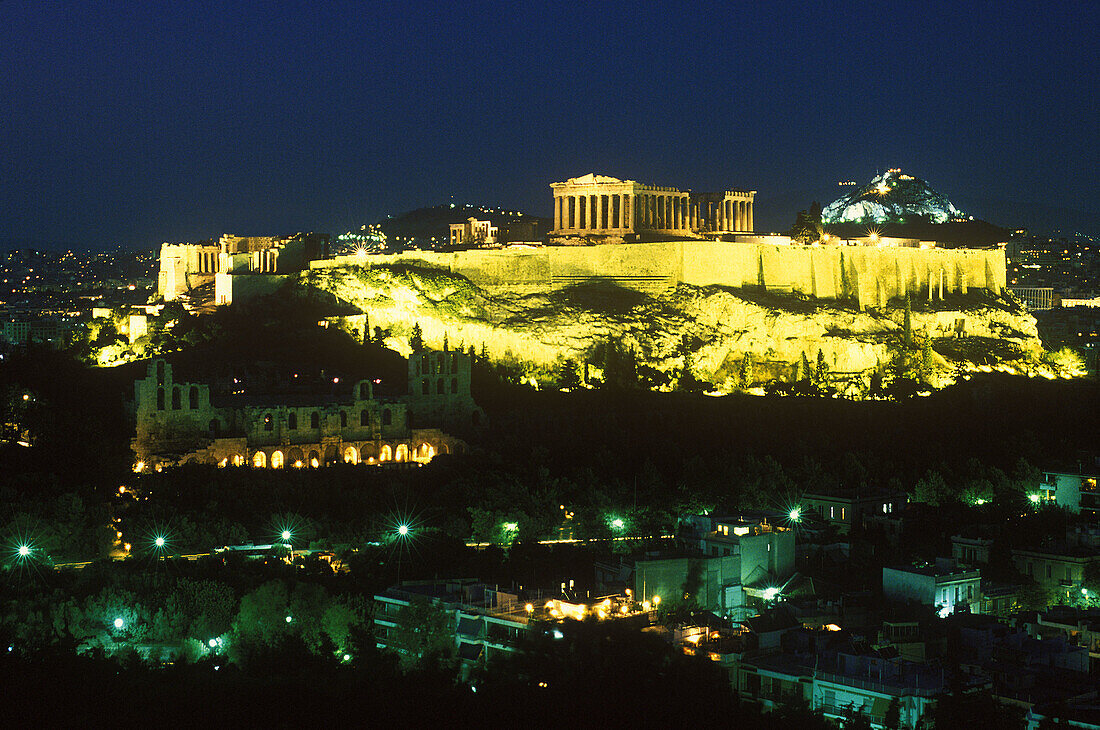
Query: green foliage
807 226
423 635
569 376
821 373
932 489
907 323
416 339
747 375
892 719
1066 362
926 360
620 365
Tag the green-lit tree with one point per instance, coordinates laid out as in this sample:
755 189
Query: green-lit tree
423 635
416 339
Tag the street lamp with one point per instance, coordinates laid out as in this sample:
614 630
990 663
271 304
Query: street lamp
24 551
119 623
795 514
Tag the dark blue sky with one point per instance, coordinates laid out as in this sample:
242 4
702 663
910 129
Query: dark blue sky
135 123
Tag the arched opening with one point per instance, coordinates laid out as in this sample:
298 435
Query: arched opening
193 398
315 420
269 422
292 421
237 460
314 459
160 399
351 456
454 385
443 449
213 427
364 392
176 399
364 418
160 372
259 459
295 458
343 419
402 453
276 460
387 417
384 454
425 389
454 364
439 387
426 451
330 455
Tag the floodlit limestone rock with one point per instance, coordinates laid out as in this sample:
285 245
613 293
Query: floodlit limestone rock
891 197
708 330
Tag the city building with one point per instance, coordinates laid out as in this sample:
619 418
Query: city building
1057 566
473 232
945 585
621 210
847 508
483 621
1076 492
830 672
971 550
734 566
179 421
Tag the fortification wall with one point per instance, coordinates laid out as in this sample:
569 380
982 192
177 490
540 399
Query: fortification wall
870 275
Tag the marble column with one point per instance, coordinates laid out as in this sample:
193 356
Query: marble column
557 212
748 226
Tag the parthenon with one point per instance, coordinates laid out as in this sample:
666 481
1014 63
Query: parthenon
609 208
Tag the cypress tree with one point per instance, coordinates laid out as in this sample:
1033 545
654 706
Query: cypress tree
907 327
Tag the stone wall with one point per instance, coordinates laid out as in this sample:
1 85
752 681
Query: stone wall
869 275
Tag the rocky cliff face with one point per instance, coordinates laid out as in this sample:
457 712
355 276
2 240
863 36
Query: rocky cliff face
707 330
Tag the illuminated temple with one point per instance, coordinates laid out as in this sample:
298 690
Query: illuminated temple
598 205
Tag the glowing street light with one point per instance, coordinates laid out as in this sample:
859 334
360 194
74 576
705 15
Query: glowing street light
770 594
24 551
289 619
618 523
286 535
795 514
159 541
119 623
403 530
1034 498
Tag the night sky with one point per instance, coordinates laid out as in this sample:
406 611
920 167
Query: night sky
135 123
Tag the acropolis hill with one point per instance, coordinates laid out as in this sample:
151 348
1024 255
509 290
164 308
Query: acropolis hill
712 243
682 280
